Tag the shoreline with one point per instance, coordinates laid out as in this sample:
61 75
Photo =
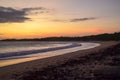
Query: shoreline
49 52
7 72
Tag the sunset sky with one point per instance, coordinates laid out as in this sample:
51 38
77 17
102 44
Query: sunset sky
46 18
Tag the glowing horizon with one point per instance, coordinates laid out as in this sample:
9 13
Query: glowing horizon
44 18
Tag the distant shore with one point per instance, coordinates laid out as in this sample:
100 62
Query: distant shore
10 72
100 37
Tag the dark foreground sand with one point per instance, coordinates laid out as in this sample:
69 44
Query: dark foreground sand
92 64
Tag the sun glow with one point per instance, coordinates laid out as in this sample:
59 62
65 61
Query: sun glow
57 18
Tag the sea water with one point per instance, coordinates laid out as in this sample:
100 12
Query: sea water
14 52
16 46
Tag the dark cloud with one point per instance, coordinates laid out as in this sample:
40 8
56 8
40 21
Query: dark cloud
38 10
75 19
82 19
10 15
31 9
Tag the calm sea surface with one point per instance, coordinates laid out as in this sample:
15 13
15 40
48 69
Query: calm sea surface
14 52
16 46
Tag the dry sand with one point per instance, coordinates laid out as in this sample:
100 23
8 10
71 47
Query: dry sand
6 73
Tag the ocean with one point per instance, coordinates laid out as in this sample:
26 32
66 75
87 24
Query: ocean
14 52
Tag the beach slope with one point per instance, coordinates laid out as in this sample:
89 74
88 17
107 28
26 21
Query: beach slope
13 71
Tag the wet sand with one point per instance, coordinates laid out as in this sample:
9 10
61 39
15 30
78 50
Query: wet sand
9 72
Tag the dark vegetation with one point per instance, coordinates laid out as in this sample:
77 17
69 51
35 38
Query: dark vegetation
100 37
102 65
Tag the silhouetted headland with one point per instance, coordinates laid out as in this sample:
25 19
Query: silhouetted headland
101 37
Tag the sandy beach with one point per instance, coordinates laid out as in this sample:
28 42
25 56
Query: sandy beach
9 72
